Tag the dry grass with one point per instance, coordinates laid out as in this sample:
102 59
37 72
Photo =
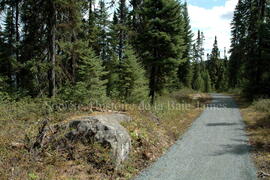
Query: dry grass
153 131
257 118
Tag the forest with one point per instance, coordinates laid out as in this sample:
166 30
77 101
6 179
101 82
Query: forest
87 53
128 50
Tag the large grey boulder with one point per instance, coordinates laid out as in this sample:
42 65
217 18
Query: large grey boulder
105 129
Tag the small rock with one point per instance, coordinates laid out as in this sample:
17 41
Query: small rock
17 145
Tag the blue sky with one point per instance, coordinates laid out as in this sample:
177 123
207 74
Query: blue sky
213 17
207 3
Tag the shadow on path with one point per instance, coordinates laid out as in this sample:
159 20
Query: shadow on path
236 149
222 124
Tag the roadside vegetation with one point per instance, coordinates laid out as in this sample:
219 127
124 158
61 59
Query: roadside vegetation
256 115
153 130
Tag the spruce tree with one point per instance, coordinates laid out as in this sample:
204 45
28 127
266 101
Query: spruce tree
51 37
37 75
207 81
102 23
162 28
133 86
135 23
113 36
185 71
8 61
122 27
257 61
238 44
214 65
198 81
90 85
112 67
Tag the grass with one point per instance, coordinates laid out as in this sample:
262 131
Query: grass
257 118
153 130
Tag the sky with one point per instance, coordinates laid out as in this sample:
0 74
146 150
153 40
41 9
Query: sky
213 17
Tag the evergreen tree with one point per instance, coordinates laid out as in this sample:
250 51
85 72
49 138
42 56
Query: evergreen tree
113 36
90 85
122 27
207 81
162 29
238 43
135 23
38 71
185 72
249 51
198 64
8 61
198 81
214 65
200 43
132 81
112 68
257 61
102 23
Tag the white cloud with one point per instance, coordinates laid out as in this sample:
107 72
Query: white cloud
213 22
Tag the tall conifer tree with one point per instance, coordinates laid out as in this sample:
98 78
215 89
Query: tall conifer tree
163 28
185 71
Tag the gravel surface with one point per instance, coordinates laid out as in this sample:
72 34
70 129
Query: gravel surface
214 148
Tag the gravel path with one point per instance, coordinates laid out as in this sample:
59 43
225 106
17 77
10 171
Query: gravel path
215 148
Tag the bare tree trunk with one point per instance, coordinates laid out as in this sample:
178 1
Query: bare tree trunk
153 84
52 48
122 33
73 58
90 12
17 40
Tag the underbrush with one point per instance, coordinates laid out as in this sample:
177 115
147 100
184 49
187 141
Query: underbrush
262 105
153 130
235 91
257 118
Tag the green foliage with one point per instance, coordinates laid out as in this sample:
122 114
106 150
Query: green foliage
120 28
198 83
102 22
3 89
112 67
262 105
249 64
238 41
90 85
214 65
207 82
222 83
32 176
132 81
185 72
162 28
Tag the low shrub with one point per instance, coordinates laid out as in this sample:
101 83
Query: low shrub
262 105
235 91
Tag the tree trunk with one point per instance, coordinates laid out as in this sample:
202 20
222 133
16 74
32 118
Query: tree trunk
73 58
52 48
153 84
90 12
122 25
17 40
